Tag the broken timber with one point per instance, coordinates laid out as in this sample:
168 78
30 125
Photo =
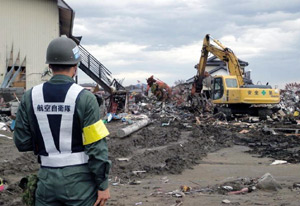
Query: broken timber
286 131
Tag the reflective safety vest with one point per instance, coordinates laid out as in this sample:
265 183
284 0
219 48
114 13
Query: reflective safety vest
58 134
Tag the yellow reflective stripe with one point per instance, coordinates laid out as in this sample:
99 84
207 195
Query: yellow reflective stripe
94 132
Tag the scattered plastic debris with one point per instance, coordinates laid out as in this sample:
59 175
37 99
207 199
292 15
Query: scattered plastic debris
176 193
185 188
267 182
296 185
135 182
279 162
3 185
123 159
229 188
2 135
244 131
244 190
138 172
226 201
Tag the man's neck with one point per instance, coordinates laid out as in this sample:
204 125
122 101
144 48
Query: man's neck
63 73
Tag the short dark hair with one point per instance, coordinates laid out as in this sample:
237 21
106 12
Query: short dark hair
60 67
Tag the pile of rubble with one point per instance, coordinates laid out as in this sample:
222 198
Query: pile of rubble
158 149
154 137
274 144
290 99
234 187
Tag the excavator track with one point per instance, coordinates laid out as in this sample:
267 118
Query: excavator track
261 112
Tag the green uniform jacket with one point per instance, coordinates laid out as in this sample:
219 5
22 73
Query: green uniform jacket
88 112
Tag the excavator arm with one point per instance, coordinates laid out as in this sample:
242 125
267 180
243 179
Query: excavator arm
224 54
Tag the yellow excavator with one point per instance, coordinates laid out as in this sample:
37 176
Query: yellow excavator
230 94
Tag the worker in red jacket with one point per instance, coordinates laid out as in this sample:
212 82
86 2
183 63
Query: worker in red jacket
160 89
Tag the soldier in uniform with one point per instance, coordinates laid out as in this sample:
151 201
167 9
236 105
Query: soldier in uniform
60 122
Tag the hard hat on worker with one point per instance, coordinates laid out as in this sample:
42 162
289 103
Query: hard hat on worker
63 51
151 80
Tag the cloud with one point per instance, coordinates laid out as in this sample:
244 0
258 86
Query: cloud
81 28
177 55
134 62
260 41
123 53
139 75
139 4
117 53
165 37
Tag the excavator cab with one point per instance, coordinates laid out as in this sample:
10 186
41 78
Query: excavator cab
218 88
225 89
231 98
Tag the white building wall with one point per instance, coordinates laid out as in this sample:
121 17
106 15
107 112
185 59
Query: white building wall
28 25
209 68
219 72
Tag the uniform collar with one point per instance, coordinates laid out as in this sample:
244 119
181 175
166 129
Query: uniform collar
60 78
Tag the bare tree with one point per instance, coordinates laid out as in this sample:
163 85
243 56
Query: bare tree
180 81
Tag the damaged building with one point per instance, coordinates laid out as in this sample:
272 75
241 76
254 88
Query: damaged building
25 35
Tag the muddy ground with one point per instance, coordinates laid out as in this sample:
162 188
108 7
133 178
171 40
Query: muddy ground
180 154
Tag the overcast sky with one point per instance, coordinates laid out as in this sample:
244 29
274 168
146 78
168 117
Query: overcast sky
137 38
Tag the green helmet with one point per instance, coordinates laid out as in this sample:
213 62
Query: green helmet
63 51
